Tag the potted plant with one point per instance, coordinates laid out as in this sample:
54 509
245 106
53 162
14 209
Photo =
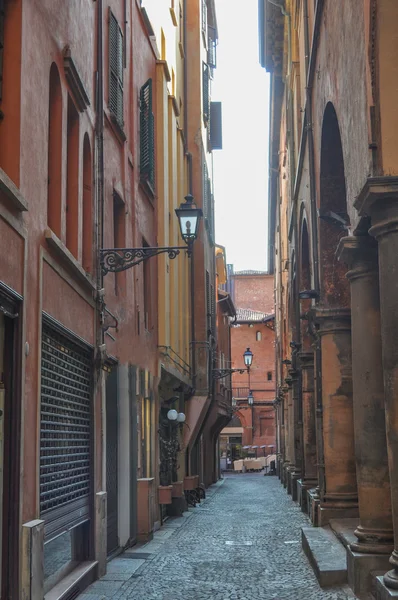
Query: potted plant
191 482
178 489
164 494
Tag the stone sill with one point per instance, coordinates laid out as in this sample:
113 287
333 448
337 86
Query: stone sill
64 587
67 257
9 188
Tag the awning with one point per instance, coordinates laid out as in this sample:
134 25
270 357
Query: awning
195 412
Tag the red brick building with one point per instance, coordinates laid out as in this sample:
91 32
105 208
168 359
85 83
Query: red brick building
253 296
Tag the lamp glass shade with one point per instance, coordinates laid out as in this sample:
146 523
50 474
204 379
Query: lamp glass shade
172 415
181 417
248 357
250 399
189 218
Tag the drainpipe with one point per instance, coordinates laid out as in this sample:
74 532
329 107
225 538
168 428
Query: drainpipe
189 159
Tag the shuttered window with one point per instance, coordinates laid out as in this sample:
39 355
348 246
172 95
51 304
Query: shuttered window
65 427
206 92
211 47
2 10
204 17
115 70
147 135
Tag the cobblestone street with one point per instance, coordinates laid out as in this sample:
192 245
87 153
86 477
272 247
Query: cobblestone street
242 543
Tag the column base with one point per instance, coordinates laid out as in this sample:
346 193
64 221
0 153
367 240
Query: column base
328 512
285 473
361 568
373 541
302 498
313 502
381 591
295 476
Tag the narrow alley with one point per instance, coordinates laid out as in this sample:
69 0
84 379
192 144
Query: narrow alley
241 543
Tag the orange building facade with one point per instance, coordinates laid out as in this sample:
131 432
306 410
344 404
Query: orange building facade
93 121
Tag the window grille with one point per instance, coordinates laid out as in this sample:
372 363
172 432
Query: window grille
147 133
65 426
116 70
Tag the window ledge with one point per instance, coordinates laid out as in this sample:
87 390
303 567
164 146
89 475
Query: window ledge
148 190
165 69
175 105
74 80
67 257
9 188
114 125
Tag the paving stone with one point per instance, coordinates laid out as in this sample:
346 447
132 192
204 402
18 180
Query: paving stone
262 561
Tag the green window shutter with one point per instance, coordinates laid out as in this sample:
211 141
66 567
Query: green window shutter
147 135
116 70
2 15
206 92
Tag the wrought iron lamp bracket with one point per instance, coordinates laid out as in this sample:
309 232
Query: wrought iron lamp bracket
114 260
221 373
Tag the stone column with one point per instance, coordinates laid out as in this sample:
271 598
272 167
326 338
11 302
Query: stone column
374 533
339 497
379 199
309 459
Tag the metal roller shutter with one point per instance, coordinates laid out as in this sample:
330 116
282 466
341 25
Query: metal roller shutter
65 442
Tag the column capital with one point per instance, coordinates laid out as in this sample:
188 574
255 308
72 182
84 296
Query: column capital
331 320
379 199
360 254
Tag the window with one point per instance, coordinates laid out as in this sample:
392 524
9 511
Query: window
206 92
269 376
87 207
147 136
72 183
204 20
258 336
54 176
116 70
211 47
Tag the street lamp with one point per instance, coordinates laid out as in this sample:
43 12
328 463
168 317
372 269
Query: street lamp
248 358
114 260
250 401
172 415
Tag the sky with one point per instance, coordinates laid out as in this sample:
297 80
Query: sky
240 168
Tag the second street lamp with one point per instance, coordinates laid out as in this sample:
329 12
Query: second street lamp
250 401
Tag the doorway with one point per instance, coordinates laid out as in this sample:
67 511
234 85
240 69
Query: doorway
112 417
9 445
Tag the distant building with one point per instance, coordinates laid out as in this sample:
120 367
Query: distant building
253 327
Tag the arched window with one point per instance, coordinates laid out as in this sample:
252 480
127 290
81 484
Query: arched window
259 336
87 206
54 190
72 187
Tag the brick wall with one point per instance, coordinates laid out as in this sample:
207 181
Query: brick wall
255 292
